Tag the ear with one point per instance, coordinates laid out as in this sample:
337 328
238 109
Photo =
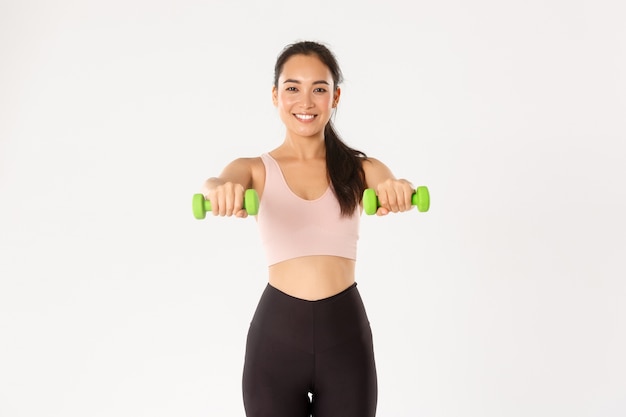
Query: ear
274 96
336 97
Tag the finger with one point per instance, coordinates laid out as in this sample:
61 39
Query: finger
221 204
408 193
392 201
382 211
214 199
405 200
401 196
238 202
383 199
229 203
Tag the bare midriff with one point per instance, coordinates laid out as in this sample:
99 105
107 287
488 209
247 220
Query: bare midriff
312 277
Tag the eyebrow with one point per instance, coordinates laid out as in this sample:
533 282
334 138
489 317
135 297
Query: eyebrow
290 80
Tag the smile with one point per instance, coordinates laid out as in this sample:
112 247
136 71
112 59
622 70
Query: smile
305 116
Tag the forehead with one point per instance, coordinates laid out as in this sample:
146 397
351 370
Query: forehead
306 67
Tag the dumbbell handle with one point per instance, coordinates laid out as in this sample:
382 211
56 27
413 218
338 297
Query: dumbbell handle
420 198
201 205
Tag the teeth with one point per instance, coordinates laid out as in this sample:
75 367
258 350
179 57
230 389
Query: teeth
305 116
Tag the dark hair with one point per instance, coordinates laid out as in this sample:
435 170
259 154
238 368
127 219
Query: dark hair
343 163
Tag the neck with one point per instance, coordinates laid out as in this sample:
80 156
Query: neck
304 148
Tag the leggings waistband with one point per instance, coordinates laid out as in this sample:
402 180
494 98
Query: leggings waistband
311 324
270 288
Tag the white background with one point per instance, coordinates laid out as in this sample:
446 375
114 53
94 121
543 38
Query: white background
507 299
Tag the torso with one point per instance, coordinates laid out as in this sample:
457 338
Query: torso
312 277
307 277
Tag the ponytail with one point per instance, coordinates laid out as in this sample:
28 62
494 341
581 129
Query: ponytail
344 166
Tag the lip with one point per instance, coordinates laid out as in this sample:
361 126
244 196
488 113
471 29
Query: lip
304 117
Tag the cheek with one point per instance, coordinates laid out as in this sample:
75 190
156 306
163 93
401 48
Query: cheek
325 102
284 102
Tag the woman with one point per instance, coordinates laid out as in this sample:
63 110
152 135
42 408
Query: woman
309 347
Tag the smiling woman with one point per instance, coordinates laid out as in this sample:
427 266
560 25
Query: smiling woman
304 95
309 347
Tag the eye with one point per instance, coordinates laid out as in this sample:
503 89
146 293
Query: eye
291 89
320 90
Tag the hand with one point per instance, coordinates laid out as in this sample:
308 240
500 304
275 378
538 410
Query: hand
227 200
394 196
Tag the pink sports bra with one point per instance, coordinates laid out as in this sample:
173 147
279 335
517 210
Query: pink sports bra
291 227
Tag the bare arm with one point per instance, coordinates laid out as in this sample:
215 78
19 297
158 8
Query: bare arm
227 190
393 194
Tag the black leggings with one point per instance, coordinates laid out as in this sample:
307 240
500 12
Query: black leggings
297 347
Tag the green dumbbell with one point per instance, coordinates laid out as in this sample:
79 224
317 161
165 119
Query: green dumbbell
420 198
201 205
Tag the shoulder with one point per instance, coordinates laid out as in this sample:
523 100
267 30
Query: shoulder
242 169
255 167
375 172
247 162
372 164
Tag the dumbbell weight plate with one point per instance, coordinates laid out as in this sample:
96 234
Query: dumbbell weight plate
199 206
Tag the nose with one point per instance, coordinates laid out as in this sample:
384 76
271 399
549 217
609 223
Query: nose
307 101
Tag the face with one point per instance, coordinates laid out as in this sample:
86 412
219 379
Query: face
305 95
